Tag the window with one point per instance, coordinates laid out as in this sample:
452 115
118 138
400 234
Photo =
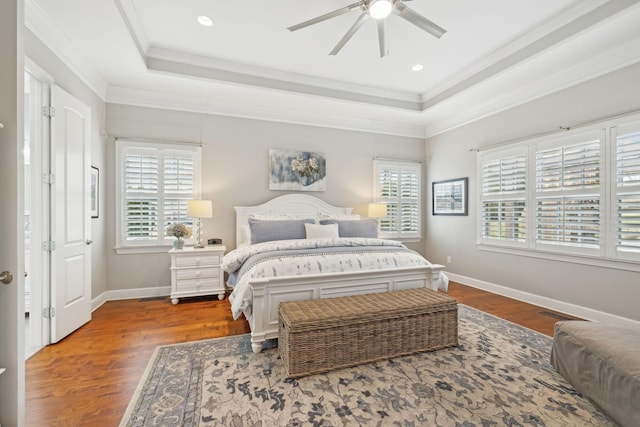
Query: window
576 194
154 182
568 193
399 185
504 198
627 192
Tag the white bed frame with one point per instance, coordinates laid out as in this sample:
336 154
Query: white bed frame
268 293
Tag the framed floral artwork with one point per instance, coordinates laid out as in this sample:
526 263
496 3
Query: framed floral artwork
450 197
297 170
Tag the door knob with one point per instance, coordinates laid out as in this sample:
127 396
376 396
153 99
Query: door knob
6 277
89 241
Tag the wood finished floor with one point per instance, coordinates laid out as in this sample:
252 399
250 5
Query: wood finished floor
89 377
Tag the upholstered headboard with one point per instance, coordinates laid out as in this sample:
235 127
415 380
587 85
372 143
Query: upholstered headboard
295 205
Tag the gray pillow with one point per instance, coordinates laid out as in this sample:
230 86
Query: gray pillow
267 231
355 228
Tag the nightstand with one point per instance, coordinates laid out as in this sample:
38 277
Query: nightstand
196 272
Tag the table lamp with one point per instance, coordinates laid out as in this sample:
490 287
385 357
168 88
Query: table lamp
199 209
377 210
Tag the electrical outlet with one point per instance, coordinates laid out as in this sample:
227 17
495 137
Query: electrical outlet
448 259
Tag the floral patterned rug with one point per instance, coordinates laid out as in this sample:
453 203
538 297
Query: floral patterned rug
498 375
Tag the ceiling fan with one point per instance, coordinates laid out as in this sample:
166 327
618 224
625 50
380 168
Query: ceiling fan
378 10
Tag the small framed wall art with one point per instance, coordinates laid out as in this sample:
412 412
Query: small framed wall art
450 197
95 188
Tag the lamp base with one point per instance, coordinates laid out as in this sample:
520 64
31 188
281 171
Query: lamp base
199 244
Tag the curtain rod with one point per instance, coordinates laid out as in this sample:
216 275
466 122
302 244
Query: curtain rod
558 130
157 141
389 159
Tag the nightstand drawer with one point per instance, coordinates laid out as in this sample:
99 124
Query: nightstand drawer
203 260
198 284
201 273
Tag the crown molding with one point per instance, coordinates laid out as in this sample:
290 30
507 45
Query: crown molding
50 35
237 72
509 54
596 66
348 93
252 110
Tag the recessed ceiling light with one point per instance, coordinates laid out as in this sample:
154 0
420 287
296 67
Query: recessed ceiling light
205 21
417 67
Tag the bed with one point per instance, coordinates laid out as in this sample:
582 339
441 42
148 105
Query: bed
265 271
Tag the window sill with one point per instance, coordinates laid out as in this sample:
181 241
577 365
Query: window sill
555 256
402 238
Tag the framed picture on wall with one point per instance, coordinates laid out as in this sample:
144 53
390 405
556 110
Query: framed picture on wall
297 170
95 188
450 197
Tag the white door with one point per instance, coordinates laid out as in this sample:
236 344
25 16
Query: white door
71 222
37 213
11 214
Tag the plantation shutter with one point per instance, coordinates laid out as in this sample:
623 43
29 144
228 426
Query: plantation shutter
157 181
141 195
178 187
627 218
504 198
398 185
568 195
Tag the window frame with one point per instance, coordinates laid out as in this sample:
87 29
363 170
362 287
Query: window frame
606 255
399 165
124 146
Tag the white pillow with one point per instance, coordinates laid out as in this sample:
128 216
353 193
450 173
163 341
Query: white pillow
245 233
317 231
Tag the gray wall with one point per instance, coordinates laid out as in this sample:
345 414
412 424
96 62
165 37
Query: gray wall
235 172
604 289
67 80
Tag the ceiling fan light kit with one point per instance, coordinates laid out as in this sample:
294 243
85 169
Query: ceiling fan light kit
379 10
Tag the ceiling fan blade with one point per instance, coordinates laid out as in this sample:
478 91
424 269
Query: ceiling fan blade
382 37
355 27
326 16
418 20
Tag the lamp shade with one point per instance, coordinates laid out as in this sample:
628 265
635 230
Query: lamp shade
199 209
377 210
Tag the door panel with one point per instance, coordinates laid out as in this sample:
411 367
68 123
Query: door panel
71 275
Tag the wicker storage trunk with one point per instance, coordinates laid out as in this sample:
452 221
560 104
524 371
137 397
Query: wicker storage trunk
324 334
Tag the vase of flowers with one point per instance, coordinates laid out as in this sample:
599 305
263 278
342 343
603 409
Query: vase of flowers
180 232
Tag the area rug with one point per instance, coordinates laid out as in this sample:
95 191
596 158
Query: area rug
498 375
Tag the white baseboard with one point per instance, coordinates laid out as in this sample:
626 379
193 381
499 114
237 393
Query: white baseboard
114 295
563 307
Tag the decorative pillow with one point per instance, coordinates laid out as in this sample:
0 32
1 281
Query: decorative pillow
317 231
359 228
267 231
245 233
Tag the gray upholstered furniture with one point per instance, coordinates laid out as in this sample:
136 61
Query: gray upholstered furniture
602 361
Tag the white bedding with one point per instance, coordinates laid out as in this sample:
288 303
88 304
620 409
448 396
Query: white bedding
312 256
